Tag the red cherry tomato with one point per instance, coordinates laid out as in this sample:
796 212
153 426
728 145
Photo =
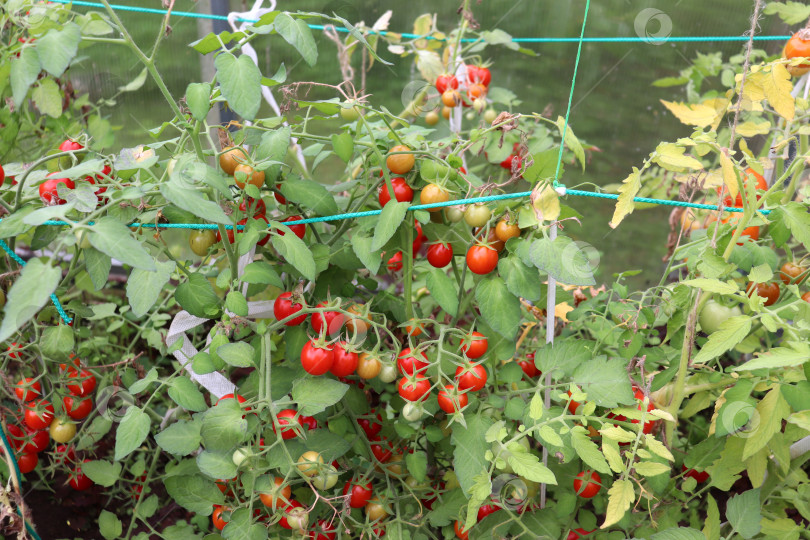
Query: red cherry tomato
450 401
70 145
240 399
529 368
482 259
394 264
439 255
27 389
760 185
402 191
477 347
287 417
478 75
216 518
578 533
768 291
345 362
317 360
298 230
331 320
382 451
587 484
287 510
65 453
487 509
48 190
77 408
27 462
78 480
408 363
38 414
284 307
29 441
255 206
360 493
699 476
12 351
513 161
413 389
308 422
458 527
471 377
80 382
323 530
371 427
443 82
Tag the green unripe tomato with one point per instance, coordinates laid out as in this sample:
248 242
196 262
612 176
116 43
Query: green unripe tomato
83 238
412 412
201 240
240 455
714 314
350 114
490 115
477 215
453 214
388 373
326 478
432 118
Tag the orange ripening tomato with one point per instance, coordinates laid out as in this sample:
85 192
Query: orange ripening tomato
761 184
798 46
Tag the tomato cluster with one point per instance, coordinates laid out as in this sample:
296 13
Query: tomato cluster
49 189
470 92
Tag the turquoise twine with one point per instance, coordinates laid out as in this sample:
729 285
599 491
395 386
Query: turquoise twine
7 444
621 39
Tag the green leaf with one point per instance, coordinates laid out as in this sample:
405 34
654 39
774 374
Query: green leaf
795 353
241 527
223 427
794 216
110 236
57 342
730 334
98 265
198 99
343 145
240 83
197 296
389 221
109 525
295 252
527 465
237 354
679 533
469 454
314 395
522 281
499 307
563 357
605 381
181 438
144 287
261 272
743 511
235 303
186 394
278 78
297 33
790 12
48 98
24 72
309 194
417 465
58 47
194 493
132 431
330 445
563 259
448 510
443 290
191 200
771 410
713 285
30 292
273 147
102 472
587 450
216 466
371 259
15 225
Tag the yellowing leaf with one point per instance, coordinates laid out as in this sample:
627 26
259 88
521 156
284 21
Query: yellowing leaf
771 410
658 448
694 114
801 419
671 157
620 497
754 90
777 87
729 175
627 191
651 468
562 310
751 129
546 204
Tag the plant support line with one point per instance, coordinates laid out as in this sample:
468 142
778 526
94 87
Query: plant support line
406 35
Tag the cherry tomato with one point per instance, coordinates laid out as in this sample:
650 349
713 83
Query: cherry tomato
443 82
400 163
279 496
79 481
80 383
394 264
298 230
458 527
806 297
38 414
512 162
317 360
278 196
360 493
323 530
477 347
27 389
699 476
331 321
578 533
253 207
61 430
761 185
216 518
446 112
245 174
371 427
432 118
65 453
768 291
573 405
505 230
714 314
231 157
529 368
69 145
76 408
451 98
27 462
381 449
476 91
287 417
48 190
479 75
37 439
308 421
12 351
239 398
450 401
486 509
368 366
477 215
482 259
471 377
433 194
408 363
751 232
413 389
285 307
790 272
232 235
587 484
453 214
345 362
414 328
439 255
402 191
797 47
201 240
357 323
375 511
